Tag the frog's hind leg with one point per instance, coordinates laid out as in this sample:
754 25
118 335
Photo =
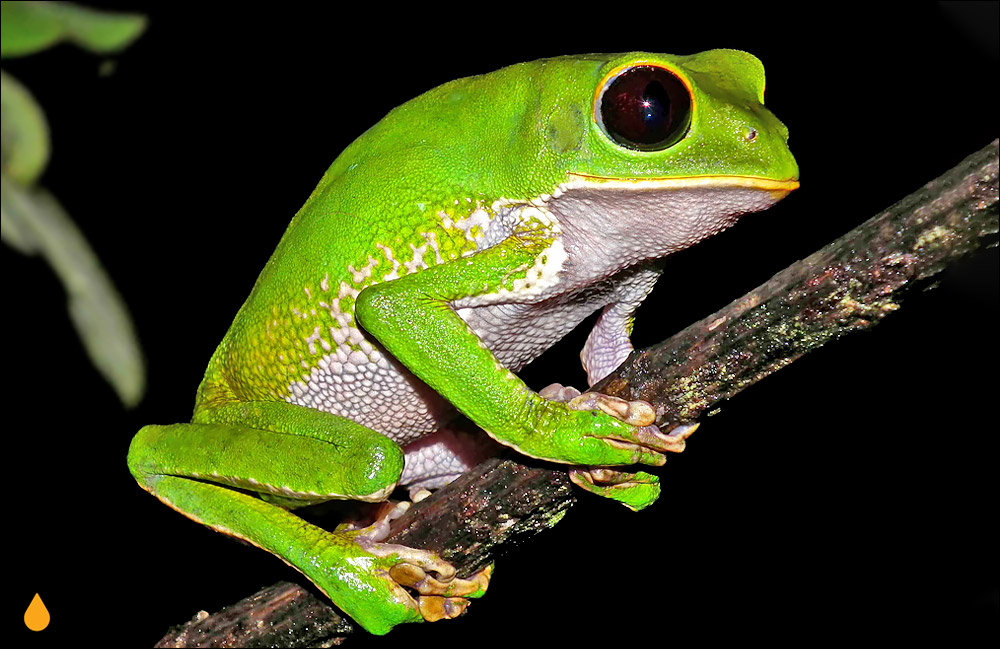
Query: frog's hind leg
213 470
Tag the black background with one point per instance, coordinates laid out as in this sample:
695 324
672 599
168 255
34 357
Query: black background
850 496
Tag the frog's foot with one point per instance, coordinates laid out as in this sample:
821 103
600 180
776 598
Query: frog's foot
637 413
634 490
442 595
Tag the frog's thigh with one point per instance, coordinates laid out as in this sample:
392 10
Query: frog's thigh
272 448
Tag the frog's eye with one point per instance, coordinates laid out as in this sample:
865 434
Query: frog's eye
645 107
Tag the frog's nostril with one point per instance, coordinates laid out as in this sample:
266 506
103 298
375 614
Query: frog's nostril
750 135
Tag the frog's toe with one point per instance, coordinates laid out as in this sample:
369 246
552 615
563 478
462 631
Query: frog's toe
413 576
419 585
559 392
684 430
634 490
435 607
440 599
636 413
427 573
422 570
441 595
640 414
418 493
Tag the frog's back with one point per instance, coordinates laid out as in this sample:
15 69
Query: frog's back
404 196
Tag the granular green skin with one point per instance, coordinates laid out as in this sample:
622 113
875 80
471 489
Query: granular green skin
351 342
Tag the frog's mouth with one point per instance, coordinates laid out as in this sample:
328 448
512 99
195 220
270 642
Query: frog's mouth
778 188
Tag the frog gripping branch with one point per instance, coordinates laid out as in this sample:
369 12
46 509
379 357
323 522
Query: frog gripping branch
451 244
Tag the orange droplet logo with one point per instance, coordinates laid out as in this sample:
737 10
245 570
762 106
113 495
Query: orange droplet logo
36 617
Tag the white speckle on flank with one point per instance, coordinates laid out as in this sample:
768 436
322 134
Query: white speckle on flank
365 272
346 290
478 217
315 337
417 262
432 242
394 273
446 221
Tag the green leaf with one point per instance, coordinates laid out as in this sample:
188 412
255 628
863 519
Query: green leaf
24 133
32 221
29 27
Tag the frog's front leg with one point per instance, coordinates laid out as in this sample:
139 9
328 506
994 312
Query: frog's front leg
294 454
414 318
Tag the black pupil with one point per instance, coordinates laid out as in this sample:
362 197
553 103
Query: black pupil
646 108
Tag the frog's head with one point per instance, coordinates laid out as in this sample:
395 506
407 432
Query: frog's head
680 121
665 148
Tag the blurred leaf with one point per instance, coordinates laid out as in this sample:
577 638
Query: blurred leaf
24 133
29 27
24 29
32 221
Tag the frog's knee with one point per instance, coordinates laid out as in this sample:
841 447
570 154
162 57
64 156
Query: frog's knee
377 466
140 454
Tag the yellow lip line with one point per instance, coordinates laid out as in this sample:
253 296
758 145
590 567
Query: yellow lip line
690 182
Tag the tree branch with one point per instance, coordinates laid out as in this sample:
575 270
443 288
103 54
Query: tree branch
848 286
